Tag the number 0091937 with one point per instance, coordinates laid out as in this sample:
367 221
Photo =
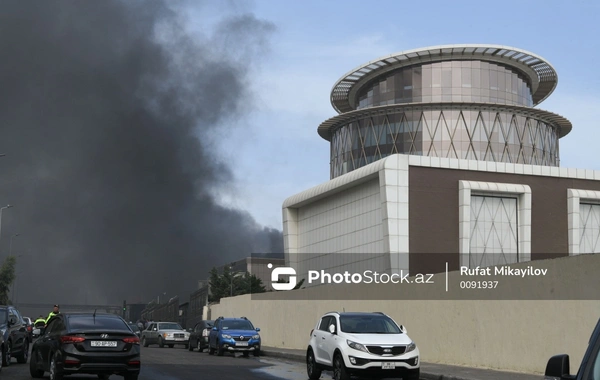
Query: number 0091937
478 284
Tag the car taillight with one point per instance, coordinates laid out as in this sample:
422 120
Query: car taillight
29 328
71 339
132 339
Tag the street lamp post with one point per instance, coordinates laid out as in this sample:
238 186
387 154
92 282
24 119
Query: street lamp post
10 246
13 292
2 209
232 277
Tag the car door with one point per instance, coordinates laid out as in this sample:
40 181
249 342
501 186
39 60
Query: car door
16 335
22 333
148 333
196 335
48 342
212 336
154 332
331 340
321 334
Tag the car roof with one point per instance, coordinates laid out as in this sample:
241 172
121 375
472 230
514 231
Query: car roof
90 314
358 314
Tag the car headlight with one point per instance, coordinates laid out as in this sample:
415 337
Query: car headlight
256 336
357 346
165 335
225 336
411 347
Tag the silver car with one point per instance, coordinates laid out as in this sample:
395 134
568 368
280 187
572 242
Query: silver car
165 334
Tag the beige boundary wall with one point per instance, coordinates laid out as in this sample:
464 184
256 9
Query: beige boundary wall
502 334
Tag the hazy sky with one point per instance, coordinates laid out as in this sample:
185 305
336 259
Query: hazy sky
317 42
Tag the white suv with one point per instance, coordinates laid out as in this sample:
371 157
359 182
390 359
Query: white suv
363 344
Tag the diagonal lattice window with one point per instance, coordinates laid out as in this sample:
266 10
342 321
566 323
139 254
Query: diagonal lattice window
589 223
493 231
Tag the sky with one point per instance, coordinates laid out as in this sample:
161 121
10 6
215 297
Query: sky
156 139
317 42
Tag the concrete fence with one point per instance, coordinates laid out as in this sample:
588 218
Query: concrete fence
507 334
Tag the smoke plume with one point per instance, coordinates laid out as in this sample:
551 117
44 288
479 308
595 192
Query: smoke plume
111 119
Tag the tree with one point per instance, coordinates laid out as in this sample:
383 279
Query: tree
229 284
7 276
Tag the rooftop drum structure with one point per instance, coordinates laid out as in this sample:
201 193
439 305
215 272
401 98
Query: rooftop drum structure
455 101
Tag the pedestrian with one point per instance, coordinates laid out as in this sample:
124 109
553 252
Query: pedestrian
55 311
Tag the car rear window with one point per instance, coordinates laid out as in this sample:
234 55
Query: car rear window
96 323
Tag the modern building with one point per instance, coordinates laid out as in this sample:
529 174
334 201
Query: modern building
440 155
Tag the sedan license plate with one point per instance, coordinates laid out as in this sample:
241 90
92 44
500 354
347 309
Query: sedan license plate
241 344
103 343
388 365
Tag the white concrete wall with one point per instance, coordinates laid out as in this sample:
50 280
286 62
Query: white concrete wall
342 229
508 335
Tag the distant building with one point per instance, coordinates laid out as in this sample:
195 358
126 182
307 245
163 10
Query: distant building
257 266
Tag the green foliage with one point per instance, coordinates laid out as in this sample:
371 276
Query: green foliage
228 284
7 276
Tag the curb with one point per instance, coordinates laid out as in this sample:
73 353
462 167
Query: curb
283 355
301 358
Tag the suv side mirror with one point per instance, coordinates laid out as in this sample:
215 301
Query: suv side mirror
332 328
214 329
258 329
559 367
403 329
12 320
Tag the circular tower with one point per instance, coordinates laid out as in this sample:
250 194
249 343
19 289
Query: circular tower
470 102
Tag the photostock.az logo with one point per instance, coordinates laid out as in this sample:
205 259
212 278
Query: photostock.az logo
282 271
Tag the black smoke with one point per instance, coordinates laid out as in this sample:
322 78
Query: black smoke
110 115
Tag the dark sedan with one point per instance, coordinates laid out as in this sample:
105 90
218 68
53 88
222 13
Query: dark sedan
199 335
79 343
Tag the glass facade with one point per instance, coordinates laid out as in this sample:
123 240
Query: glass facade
448 81
500 136
589 223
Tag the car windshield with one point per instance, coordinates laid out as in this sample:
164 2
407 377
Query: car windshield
3 315
237 325
169 326
89 322
367 324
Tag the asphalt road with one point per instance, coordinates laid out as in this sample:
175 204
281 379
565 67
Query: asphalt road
179 364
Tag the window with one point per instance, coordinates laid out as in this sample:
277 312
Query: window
496 213
584 221
325 323
89 322
494 226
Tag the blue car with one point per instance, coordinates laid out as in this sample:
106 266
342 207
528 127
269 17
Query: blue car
234 335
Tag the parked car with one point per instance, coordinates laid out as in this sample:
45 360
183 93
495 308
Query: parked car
29 324
358 344
199 335
165 334
558 366
16 337
86 343
234 335
136 330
